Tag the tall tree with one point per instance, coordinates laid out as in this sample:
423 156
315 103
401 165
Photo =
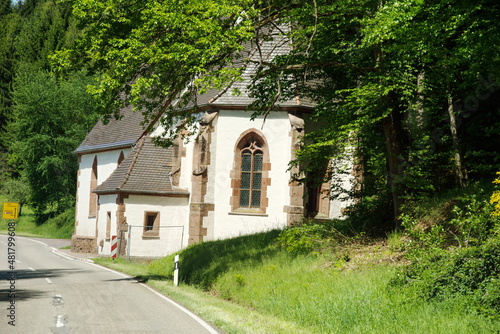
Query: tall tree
386 75
51 118
150 52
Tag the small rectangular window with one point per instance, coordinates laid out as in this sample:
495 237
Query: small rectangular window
108 226
151 224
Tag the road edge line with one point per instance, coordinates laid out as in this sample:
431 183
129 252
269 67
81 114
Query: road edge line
202 322
198 319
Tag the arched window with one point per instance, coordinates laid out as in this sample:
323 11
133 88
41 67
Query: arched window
93 185
250 175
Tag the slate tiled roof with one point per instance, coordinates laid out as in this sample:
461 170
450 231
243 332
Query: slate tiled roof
266 51
116 134
144 170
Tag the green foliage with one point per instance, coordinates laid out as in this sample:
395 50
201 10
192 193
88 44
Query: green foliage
461 221
442 274
309 237
16 190
495 198
11 24
454 250
149 52
35 108
59 227
42 33
50 119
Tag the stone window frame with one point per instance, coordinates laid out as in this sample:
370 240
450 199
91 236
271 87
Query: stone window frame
151 230
242 142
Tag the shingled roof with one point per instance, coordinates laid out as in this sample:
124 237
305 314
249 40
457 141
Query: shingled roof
265 51
115 134
145 170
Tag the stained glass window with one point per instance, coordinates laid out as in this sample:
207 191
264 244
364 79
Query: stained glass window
251 174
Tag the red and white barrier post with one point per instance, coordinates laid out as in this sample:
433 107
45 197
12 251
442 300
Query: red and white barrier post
114 246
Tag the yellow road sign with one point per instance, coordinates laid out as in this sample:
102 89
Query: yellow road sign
10 210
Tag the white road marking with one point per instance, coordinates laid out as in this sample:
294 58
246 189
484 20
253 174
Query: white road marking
57 300
40 242
60 321
48 280
185 310
202 322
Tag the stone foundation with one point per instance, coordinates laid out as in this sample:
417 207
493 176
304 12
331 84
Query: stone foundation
83 244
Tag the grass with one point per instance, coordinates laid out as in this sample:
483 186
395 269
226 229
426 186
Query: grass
279 293
56 228
252 285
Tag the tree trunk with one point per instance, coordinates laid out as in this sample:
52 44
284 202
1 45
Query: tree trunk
393 132
460 171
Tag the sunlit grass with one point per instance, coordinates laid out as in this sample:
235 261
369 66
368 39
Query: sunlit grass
327 299
279 293
26 226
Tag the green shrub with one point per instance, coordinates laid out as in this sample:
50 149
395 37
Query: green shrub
309 237
462 221
454 249
439 274
60 226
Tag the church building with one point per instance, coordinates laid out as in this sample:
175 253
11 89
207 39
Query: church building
231 178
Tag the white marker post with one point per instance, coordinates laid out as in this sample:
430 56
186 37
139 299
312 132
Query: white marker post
176 270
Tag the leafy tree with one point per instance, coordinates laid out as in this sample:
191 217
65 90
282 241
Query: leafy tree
5 7
43 32
396 69
390 78
149 52
51 118
10 23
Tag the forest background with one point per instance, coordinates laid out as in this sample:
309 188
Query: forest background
409 89
413 86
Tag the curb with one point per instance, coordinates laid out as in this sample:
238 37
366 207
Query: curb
70 257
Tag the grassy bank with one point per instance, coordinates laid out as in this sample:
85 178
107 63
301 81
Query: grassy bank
439 274
60 227
327 293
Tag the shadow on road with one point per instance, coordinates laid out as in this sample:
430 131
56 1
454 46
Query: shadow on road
40 273
23 294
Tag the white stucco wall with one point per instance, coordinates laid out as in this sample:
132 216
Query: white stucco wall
106 164
106 203
230 125
174 212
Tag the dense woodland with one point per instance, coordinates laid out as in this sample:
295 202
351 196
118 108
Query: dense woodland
412 86
407 89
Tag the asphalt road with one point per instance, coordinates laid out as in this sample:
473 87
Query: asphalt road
45 292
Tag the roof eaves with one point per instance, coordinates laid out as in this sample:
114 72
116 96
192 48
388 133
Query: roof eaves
183 193
222 106
104 147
